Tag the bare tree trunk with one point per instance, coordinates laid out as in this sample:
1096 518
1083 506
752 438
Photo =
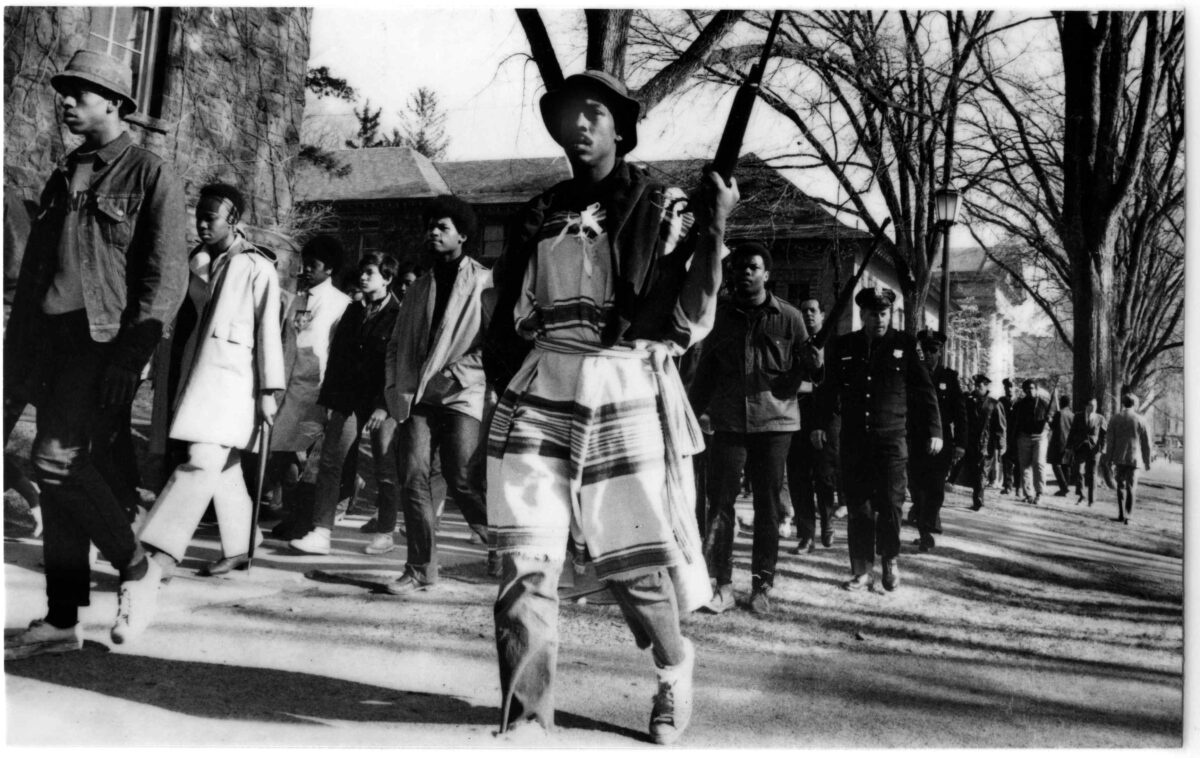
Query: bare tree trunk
540 47
608 33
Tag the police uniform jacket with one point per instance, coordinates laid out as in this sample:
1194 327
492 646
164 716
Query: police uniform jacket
951 406
987 426
751 368
872 389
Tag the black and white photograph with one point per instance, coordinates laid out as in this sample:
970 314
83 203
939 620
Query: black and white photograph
480 377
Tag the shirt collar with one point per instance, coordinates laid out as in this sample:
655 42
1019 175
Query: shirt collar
104 155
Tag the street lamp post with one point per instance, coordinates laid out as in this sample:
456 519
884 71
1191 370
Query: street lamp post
945 205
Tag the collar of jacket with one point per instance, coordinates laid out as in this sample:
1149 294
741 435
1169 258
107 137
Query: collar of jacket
104 155
770 304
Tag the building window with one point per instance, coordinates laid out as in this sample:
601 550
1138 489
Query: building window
137 36
493 242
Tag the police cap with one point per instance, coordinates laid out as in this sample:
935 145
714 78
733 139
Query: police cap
931 340
981 379
875 298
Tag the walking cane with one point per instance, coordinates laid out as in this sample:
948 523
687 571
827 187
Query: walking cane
264 450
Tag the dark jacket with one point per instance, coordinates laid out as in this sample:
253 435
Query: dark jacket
952 407
133 252
1087 434
987 427
1031 414
646 284
355 372
751 368
1060 430
875 392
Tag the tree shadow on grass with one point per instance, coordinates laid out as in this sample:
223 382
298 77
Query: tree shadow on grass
221 691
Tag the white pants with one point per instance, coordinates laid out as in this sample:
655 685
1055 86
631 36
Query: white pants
213 472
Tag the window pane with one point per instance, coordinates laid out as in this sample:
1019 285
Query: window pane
101 18
123 27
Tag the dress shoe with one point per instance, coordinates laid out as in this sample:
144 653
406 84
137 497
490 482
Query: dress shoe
407 584
760 601
289 529
858 583
370 526
722 600
977 507
1062 493
317 542
891 574
805 545
924 544
827 539
1004 490
225 565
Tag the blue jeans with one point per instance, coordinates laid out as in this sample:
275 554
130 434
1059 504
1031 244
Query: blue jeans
342 433
457 439
76 462
526 616
764 456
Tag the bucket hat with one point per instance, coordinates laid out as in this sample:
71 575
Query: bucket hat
610 89
109 73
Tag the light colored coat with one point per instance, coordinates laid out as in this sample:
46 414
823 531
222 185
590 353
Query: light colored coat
1128 440
306 340
233 354
419 368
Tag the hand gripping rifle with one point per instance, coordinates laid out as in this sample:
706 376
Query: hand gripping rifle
743 103
844 297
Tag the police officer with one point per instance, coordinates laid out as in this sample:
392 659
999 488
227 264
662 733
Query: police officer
876 379
1008 459
928 473
987 433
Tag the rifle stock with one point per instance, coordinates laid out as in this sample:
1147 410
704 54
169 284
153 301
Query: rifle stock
843 298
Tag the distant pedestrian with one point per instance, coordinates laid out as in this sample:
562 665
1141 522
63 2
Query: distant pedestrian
928 472
987 435
750 371
104 270
1008 459
590 443
875 379
1086 441
1031 416
812 473
1127 445
1059 454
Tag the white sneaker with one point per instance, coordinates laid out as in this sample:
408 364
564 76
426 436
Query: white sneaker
380 544
41 637
317 542
672 709
136 604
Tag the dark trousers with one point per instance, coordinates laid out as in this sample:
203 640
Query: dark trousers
1126 477
975 468
456 438
342 434
812 481
1060 475
927 484
763 455
76 462
1085 474
874 476
526 618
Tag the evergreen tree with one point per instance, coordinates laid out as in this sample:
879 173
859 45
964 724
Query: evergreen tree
368 128
423 125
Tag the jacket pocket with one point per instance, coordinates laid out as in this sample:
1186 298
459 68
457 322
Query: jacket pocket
116 215
241 332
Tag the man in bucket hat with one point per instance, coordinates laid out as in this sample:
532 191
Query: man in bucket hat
606 282
104 270
878 384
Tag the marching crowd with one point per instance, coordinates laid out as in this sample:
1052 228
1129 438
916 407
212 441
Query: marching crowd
595 397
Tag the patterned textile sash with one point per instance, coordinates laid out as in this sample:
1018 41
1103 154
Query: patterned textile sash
682 437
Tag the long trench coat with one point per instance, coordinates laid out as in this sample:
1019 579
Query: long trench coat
235 352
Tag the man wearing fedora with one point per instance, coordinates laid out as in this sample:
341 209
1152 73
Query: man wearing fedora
876 381
608 277
104 270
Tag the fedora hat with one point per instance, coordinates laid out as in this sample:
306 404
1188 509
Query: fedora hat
611 90
110 74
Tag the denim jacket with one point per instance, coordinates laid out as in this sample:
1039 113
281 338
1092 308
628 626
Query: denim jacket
134 257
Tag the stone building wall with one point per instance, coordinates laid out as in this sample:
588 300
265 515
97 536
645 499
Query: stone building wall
233 99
